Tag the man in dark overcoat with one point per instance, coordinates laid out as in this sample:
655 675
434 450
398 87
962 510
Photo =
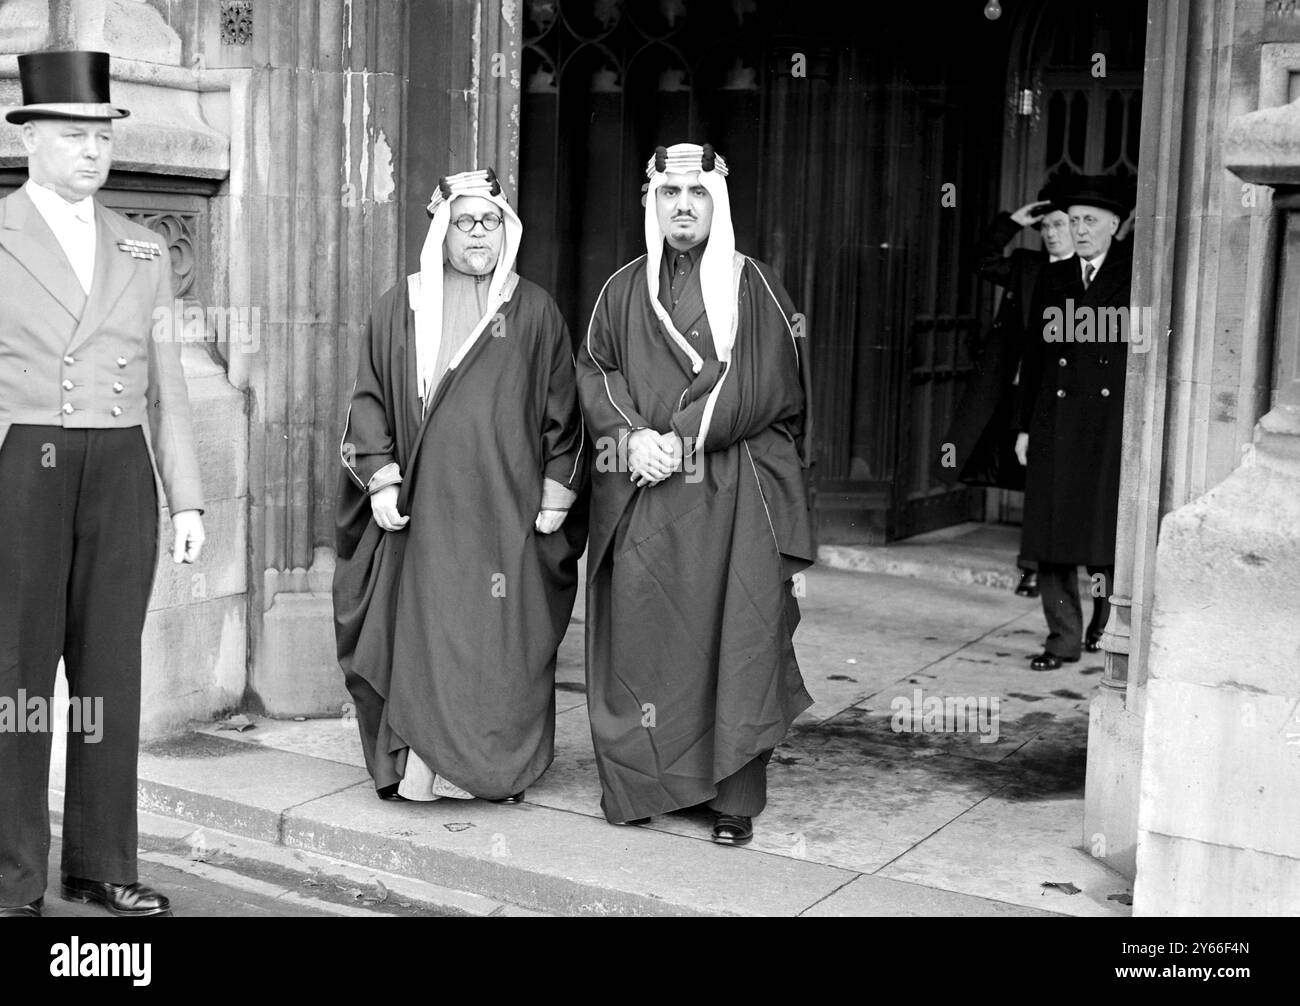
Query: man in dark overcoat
1071 417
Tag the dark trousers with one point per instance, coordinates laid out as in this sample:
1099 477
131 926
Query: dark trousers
80 518
744 792
1058 586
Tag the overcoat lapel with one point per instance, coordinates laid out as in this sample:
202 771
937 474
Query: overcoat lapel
27 236
114 270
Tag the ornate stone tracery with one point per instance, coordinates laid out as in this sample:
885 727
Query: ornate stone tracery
236 22
178 232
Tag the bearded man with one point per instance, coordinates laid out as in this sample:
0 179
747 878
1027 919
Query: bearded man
462 453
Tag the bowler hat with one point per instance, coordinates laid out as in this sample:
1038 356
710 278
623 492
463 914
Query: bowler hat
1106 192
64 84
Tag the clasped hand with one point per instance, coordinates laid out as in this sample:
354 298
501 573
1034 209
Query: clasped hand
652 457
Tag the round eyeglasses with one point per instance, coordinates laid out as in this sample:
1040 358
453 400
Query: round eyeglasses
465 222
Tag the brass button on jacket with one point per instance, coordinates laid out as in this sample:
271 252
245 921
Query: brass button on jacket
54 333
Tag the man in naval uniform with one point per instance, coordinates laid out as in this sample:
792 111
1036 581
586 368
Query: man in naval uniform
93 417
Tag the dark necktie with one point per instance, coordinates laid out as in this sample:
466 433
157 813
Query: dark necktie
1089 270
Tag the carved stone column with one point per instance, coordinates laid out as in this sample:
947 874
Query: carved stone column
318 211
497 90
1219 826
1202 244
463 103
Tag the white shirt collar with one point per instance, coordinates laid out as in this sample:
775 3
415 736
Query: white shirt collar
1094 262
50 202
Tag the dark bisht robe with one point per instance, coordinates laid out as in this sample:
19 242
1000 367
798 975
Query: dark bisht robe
1072 406
691 671
447 630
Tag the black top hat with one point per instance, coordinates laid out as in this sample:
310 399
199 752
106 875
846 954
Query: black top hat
1106 192
69 84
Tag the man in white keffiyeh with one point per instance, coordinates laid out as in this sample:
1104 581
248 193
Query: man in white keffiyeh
463 453
693 377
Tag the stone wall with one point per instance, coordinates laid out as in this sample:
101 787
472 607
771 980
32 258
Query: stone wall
1194 756
1201 265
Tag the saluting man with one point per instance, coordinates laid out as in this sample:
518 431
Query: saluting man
92 411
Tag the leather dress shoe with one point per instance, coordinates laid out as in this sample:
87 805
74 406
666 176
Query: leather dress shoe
733 829
127 900
1092 643
389 792
515 798
636 822
1050 662
1028 586
31 911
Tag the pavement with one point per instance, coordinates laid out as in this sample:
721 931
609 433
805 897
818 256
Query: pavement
936 774
223 876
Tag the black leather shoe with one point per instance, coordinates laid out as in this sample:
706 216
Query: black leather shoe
1050 662
389 792
516 798
127 900
636 822
1092 643
1028 586
32 911
732 829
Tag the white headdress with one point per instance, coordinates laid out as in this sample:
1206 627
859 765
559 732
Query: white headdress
717 266
425 287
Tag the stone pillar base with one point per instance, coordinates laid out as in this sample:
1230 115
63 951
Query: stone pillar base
1219 823
193 659
1110 805
296 671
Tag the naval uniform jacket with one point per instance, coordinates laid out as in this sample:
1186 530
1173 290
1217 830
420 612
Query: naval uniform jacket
1072 407
93 362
